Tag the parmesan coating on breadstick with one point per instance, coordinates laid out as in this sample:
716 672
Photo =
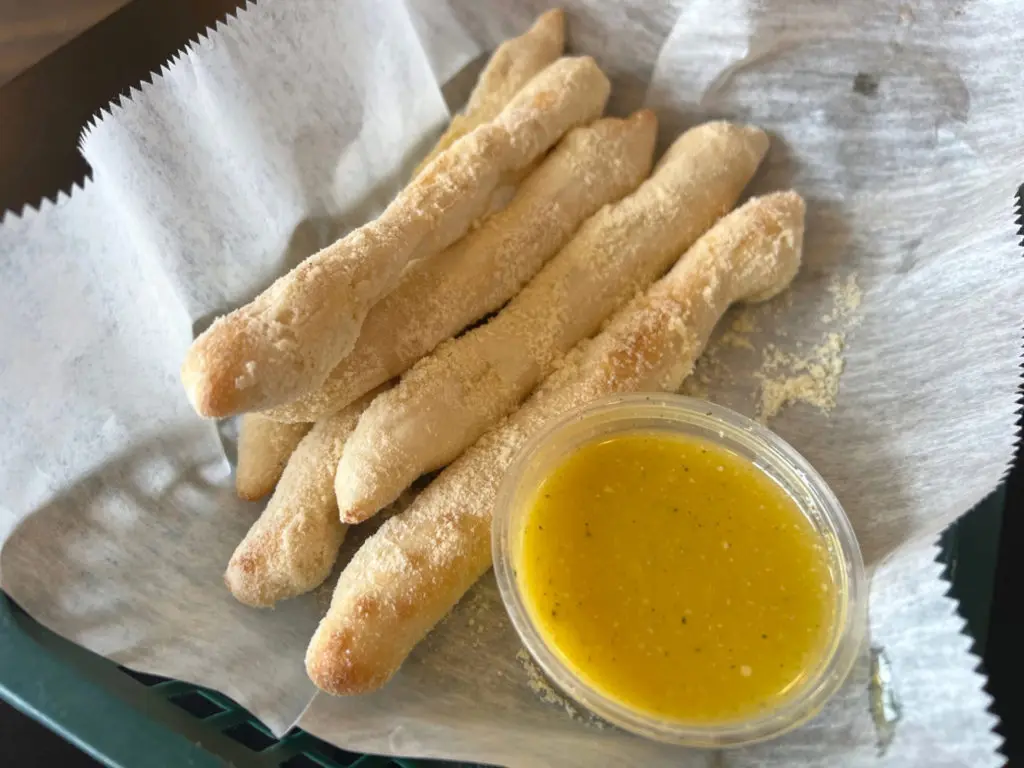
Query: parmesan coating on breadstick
409 574
438 297
450 398
264 447
292 547
287 341
513 64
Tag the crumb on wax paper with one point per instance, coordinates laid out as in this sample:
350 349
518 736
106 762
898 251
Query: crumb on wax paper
811 377
800 373
546 692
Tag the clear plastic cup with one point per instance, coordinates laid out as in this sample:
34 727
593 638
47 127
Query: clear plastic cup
684 416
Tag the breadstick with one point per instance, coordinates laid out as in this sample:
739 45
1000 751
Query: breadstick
292 547
514 62
409 574
450 398
263 449
263 455
291 336
438 297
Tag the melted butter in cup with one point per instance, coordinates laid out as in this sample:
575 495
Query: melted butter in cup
675 576
679 570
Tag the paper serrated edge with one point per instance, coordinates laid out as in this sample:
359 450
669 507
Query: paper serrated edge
122 102
1020 399
968 643
1019 411
1017 449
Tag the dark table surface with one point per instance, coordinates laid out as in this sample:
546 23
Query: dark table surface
63 60
43 109
29 31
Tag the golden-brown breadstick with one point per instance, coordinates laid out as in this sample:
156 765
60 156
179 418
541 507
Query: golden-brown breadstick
286 341
451 397
514 62
438 297
263 449
292 547
408 575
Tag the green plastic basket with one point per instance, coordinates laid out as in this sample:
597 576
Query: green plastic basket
130 720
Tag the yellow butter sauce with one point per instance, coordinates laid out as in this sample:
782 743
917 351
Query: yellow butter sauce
676 577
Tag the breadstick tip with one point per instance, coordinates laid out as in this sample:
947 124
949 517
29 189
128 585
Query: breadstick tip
788 203
551 23
754 137
218 369
200 387
642 124
242 579
781 216
645 118
222 374
356 497
334 669
757 138
247 494
749 138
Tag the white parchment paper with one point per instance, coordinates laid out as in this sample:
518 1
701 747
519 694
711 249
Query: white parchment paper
296 121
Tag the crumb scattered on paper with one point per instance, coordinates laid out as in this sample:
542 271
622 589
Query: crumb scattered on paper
482 617
539 684
795 372
737 334
545 691
846 297
744 322
811 377
732 339
788 378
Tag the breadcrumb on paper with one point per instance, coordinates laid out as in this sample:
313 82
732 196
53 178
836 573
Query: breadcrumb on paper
787 378
808 375
545 691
